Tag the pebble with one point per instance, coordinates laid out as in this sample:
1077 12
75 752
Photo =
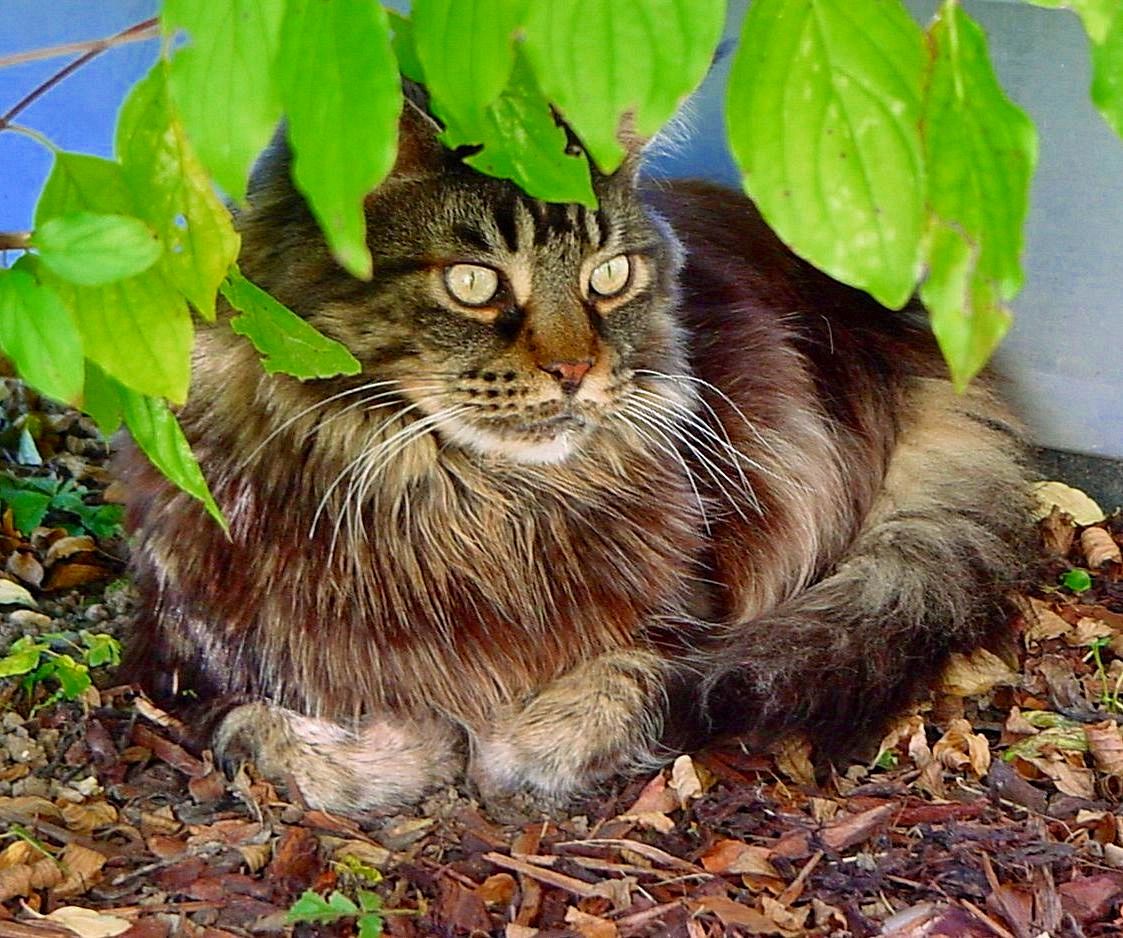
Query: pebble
28 619
22 748
96 613
32 785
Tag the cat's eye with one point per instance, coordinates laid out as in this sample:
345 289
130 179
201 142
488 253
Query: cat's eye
612 276
471 284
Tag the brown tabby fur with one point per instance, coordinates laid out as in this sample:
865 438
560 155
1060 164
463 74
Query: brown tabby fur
791 531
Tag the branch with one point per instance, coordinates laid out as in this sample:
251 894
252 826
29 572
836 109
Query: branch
15 240
146 29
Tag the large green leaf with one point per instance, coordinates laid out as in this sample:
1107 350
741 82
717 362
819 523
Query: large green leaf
91 249
101 401
597 59
38 333
138 330
341 92
405 46
288 343
981 150
823 111
1107 73
156 431
222 81
173 192
466 48
522 141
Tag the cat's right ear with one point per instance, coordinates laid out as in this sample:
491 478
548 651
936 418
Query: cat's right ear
420 152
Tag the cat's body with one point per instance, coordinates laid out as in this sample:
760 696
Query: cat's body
550 535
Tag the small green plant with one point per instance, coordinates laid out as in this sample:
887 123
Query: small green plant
36 660
1109 698
315 909
887 760
1077 579
37 500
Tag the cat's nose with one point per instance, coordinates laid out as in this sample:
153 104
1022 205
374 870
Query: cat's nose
570 374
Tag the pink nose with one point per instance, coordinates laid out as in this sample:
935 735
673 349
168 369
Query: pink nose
570 374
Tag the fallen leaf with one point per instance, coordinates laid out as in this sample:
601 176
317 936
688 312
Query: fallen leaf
82 867
1057 533
656 796
1044 623
1106 746
67 546
1099 548
1087 631
959 747
68 575
25 566
793 759
975 674
685 781
88 923
733 856
857 828
590 926
1071 501
734 913
1088 898
12 594
790 921
497 889
85 818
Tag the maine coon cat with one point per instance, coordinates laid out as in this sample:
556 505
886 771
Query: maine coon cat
611 483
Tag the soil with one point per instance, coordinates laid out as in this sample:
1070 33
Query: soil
992 809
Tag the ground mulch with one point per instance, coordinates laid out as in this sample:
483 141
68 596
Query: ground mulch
993 809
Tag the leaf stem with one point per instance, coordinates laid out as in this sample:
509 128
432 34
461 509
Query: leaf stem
146 29
15 240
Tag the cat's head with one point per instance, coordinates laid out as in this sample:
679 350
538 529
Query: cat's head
517 326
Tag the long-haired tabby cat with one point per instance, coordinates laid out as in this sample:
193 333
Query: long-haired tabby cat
610 483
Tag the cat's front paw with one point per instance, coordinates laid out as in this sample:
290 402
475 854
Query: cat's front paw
384 763
598 720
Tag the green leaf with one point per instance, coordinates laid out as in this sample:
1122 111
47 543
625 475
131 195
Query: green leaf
101 649
137 330
336 69
101 401
823 110
222 81
312 907
522 142
288 343
173 193
1078 580
158 434
980 150
39 334
1107 74
370 925
22 657
597 59
370 901
91 249
466 49
405 49
28 508
73 677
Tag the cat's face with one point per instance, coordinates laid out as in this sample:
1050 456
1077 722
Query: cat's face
515 327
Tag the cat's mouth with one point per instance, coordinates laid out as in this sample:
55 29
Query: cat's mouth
548 437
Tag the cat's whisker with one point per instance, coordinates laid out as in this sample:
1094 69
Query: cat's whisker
369 386
389 398
672 451
702 382
721 479
721 446
713 444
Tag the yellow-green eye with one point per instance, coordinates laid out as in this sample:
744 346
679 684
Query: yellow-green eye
612 276
471 284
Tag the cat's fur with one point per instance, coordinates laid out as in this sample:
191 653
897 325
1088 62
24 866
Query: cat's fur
761 509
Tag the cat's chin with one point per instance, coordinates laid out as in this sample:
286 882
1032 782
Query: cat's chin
536 452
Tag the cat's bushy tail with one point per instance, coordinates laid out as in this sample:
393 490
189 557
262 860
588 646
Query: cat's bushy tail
928 573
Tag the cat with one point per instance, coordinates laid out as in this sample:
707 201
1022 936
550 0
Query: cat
611 484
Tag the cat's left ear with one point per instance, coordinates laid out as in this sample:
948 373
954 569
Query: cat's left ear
420 152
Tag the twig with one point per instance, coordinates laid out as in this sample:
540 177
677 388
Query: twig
147 29
14 240
138 33
568 883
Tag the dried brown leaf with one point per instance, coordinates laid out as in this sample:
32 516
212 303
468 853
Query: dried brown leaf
66 575
497 889
29 807
367 853
975 674
85 818
959 748
83 869
789 921
656 796
68 546
256 856
25 566
590 926
1099 548
685 782
1057 533
1043 623
733 856
1073 502
1087 631
858 828
23 880
19 853
793 759
1088 898
1105 743
734 913
88 923
12 594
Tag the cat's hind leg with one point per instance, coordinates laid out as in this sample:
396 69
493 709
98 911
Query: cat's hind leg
384 762
599 718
